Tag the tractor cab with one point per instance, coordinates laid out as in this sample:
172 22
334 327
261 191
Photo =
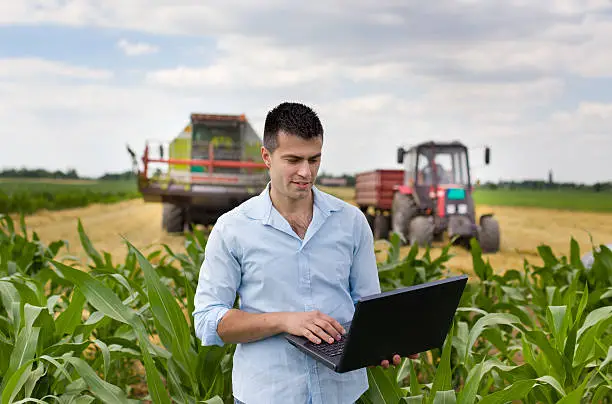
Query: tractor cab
436 164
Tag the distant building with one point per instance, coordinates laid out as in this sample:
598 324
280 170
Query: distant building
333 182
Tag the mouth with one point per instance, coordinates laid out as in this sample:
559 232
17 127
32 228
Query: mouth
301 184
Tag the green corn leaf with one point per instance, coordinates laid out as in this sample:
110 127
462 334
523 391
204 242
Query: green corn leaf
70 318
602 392
33 378
382 389
413 399
174 380
594 317
489 320
607 360
442 378
445 397
105 355
157 390
415 386
473 380
558 365
102 298
514 392
105 391
213 400
169 315
88 246
552 382
14 382
575 396
25 348
98 294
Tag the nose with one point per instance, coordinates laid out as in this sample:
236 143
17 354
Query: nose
304 169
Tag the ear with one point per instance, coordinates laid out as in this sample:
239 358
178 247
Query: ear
266 156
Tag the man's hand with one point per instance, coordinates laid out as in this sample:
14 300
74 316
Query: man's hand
397 360
314 325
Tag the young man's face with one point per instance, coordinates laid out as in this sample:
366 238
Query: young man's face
294 165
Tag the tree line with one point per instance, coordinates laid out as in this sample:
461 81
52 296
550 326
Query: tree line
69 174
509 184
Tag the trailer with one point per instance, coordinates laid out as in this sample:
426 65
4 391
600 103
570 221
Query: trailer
431 196
212 166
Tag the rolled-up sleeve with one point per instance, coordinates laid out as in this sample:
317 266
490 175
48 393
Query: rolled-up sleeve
364 279
218 282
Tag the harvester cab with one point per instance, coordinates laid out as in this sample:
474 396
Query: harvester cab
436 197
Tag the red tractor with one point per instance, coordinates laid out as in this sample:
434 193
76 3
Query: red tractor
432 195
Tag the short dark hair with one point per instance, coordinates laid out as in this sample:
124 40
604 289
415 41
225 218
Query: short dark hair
293 118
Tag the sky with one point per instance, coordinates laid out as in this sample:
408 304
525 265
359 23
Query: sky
81 79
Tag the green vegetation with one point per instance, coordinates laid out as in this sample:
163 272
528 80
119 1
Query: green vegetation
30 195
568 199
71 174
73 334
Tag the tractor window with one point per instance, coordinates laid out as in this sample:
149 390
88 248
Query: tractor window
447 167
444 168
461 168
409 166
425 170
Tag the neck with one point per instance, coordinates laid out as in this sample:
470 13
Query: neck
288 206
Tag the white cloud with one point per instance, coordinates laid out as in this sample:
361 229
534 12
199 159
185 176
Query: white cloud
22 68
136 48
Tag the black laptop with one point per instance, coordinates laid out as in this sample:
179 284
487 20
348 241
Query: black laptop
403 321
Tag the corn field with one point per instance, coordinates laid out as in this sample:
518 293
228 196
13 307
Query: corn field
123 332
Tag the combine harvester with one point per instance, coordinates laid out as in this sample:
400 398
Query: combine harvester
430 196
213 165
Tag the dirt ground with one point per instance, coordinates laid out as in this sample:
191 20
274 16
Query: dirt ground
523 229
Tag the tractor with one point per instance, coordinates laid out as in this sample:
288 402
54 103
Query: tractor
431 196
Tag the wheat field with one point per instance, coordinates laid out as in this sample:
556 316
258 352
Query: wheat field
522 230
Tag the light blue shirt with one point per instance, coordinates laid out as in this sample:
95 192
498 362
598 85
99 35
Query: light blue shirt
253 251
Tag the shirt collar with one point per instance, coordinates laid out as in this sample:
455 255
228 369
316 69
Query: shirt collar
260 206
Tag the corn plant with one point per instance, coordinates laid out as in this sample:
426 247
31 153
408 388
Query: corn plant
85 341
530 336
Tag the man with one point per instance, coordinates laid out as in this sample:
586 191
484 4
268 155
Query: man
299 259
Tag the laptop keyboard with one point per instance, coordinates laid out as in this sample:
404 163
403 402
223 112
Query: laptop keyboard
325 348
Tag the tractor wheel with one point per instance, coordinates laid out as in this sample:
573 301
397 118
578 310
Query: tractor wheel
370 218
404 208
173 218
489 234
421 231
381 227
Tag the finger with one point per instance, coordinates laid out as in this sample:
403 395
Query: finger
319 332
311 336
329 328
334 323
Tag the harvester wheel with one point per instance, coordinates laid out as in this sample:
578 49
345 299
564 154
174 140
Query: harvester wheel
488 237
421 231
382 223
404 208
173 218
